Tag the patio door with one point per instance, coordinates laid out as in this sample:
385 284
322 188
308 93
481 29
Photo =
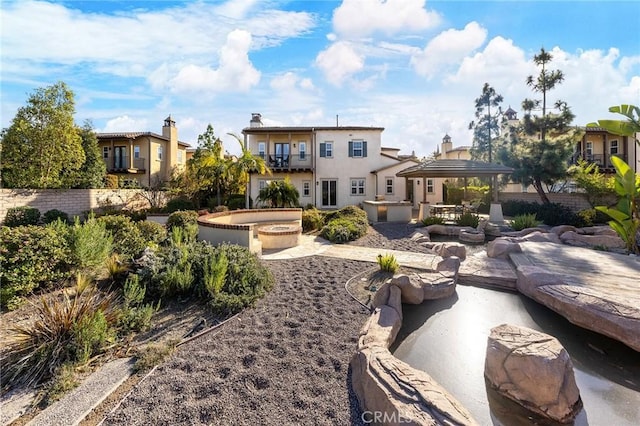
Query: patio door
329 193
282 154
119 157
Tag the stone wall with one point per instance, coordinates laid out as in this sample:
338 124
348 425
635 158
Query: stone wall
574 201
71 201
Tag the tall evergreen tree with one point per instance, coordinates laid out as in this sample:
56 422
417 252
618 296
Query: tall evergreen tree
486 127
94 169
42 148
539 146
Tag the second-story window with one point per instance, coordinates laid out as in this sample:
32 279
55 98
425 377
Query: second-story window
357 148
589 149
105 152
159 152
388 185
430 186
179 156
136 152
306 188
326 149
302 149
261 149
613 147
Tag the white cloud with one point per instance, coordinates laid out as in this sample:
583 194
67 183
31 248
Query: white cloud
124 123
360 18
339 61
235 73
448 48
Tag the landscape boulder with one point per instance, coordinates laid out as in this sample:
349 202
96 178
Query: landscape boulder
534 370
450 249
500 248
604 240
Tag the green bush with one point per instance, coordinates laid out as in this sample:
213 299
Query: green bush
468 219
245 274
523 221
554 214
111 181
177 204
53 215
237 202
388 263
432 220
31 257
90 245
134 315
128 241
152 231
311 220
22 216
187 221
518 207
214 273
347 224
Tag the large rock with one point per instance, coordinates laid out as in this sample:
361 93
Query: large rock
449 267
561 229
410 287
450 249
401 395
435 286
585 240
500 248
381 328
541 237
534 370
473 236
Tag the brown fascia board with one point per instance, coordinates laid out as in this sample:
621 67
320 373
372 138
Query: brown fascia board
259 130
135 135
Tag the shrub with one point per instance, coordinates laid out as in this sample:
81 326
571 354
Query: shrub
554 214
135 316
22 216
90 245
433 220
468 219
347 224
388 263
177 204
215 270
152 231
31 257
524 221
111 181
237 201
518 207
187 221
128 241
311 220
63 331
53 215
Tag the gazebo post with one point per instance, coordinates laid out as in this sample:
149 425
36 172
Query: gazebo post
464 194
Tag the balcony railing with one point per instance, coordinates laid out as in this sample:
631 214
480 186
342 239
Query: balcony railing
123 164
287 161
602 160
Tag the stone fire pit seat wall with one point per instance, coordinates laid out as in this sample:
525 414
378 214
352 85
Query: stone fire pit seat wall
241 226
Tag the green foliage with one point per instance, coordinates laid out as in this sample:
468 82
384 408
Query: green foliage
128 241
22 216
111 181
279 193
31 257
590 217
215 270
152 231
628 127
311 219
524 221
54 215
93 171
42 148
179 203
551 214
237 202
625 214
468 219
90 245
388 263
182 219
135 316
63 331
432 220
347 224
487 126
63 381
596 185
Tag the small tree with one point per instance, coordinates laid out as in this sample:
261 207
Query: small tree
279 193
246 164
487 123
539 147
596 185
42 148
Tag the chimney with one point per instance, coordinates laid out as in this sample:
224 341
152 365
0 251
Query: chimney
447 145
256 120
170 131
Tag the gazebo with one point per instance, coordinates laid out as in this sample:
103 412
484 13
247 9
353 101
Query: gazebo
459 169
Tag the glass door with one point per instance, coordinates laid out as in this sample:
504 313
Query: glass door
282 154
329 193
120 157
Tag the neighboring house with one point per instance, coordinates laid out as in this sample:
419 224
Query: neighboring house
331 167
448 152
146 157
598 146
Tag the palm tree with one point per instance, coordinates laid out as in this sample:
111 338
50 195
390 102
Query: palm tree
279 194
246 164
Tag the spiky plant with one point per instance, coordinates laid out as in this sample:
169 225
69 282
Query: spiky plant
388 263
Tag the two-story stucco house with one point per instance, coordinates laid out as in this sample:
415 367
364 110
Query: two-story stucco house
331 167
146 157
598 146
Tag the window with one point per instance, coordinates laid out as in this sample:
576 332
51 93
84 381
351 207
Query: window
613 147
302 149
357 148
388 184
105 152
306 188
261 149
159 152
430 186
357 186
589 149
326 149
261 184
179 156
136 152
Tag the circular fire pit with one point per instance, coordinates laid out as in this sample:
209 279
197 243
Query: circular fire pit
279 236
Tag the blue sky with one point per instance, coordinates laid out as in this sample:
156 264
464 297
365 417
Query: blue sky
413 67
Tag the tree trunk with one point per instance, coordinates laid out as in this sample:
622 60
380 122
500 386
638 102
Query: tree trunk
537 184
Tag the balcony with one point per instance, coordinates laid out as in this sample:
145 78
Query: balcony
288 162
602 160
122 164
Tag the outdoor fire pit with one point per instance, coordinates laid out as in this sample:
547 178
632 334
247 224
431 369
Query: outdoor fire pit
279 236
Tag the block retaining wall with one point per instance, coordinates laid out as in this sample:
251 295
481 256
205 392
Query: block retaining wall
74 202
574 201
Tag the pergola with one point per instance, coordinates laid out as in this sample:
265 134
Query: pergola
453 168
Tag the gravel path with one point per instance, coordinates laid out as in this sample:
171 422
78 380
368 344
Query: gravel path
285 361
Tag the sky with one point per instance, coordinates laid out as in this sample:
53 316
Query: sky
414 67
